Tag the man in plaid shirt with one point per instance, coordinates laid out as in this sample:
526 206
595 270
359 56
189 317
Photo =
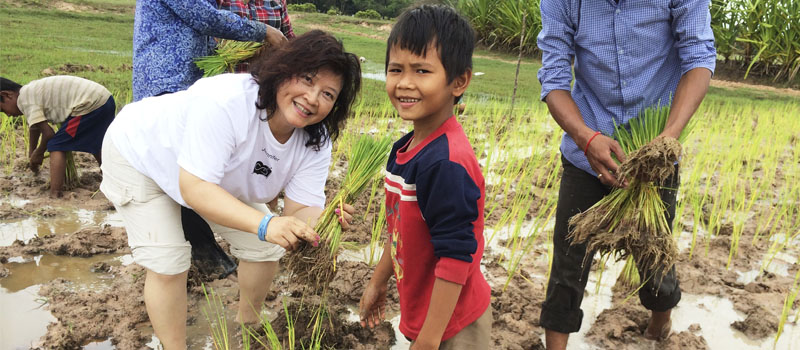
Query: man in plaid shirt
270 12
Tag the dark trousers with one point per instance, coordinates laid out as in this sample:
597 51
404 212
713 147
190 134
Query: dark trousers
561 310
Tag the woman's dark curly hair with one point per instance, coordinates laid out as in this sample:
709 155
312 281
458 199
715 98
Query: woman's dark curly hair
305 54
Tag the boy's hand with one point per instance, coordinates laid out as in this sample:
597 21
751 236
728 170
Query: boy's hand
345 216
372 307
36 160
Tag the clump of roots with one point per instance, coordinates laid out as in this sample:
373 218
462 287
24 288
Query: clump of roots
631 221
654 162
311 266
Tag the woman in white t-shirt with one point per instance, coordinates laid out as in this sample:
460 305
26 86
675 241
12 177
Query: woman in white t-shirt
224 147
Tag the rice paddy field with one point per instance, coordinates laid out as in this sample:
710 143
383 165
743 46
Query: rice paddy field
67 280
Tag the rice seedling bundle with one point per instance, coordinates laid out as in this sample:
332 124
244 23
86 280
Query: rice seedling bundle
228 54
316 267
631 221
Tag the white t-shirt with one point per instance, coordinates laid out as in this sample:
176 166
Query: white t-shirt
214 131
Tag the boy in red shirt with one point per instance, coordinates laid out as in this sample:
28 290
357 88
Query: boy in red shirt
434 191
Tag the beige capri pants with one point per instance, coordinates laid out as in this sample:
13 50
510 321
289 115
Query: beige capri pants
153 220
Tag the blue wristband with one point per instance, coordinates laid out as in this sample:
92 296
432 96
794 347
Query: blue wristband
262 227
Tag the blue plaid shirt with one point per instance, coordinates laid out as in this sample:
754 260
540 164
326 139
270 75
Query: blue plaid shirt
169 34
627 56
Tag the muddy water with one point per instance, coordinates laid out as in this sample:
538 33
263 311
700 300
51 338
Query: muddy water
19 291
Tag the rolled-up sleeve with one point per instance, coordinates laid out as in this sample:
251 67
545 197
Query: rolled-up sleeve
691 25
556 41
206 19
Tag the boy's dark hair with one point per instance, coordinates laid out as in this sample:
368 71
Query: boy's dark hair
8 85
309 53
420 26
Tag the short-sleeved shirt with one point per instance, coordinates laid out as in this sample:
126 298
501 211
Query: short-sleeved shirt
169 34
627 56
56 98
214 131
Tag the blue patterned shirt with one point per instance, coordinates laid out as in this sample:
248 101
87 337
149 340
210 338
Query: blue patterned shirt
627 56
169 34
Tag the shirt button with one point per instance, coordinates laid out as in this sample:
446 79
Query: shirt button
618 10
621 52
624 83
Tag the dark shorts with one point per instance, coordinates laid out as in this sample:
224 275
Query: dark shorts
561 310
84 133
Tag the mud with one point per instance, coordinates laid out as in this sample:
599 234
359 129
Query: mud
84 243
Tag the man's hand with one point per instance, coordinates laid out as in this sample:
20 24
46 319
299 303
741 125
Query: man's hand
599 155
275 37
36 160
372 306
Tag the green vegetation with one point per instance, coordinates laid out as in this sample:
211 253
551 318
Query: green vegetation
761 35
306 7
368 14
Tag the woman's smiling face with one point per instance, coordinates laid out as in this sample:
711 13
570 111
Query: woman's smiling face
309 98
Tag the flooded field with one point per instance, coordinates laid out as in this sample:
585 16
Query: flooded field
67 279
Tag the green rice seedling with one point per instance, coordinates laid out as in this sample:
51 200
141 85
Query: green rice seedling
629 276
787 306
8 143
214 313
317 266
631 220
543 217
378 227
226 56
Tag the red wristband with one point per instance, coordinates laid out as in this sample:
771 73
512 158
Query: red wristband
590 141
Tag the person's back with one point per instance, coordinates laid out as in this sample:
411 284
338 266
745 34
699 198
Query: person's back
434 190
58 97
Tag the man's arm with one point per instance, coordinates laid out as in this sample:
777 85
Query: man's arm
691 90
691 25
37 154
443 303
556 40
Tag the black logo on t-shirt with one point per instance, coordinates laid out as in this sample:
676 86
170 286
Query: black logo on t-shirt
262 169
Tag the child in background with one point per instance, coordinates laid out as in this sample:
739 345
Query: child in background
84 109
434 191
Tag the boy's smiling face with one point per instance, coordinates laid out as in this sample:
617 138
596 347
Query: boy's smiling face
417 86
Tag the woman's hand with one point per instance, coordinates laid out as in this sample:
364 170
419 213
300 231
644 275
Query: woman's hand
287 231
345 216
275 37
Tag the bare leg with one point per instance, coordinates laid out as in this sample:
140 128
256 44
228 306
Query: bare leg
165 299
58 171
255 279
658 328
555 340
